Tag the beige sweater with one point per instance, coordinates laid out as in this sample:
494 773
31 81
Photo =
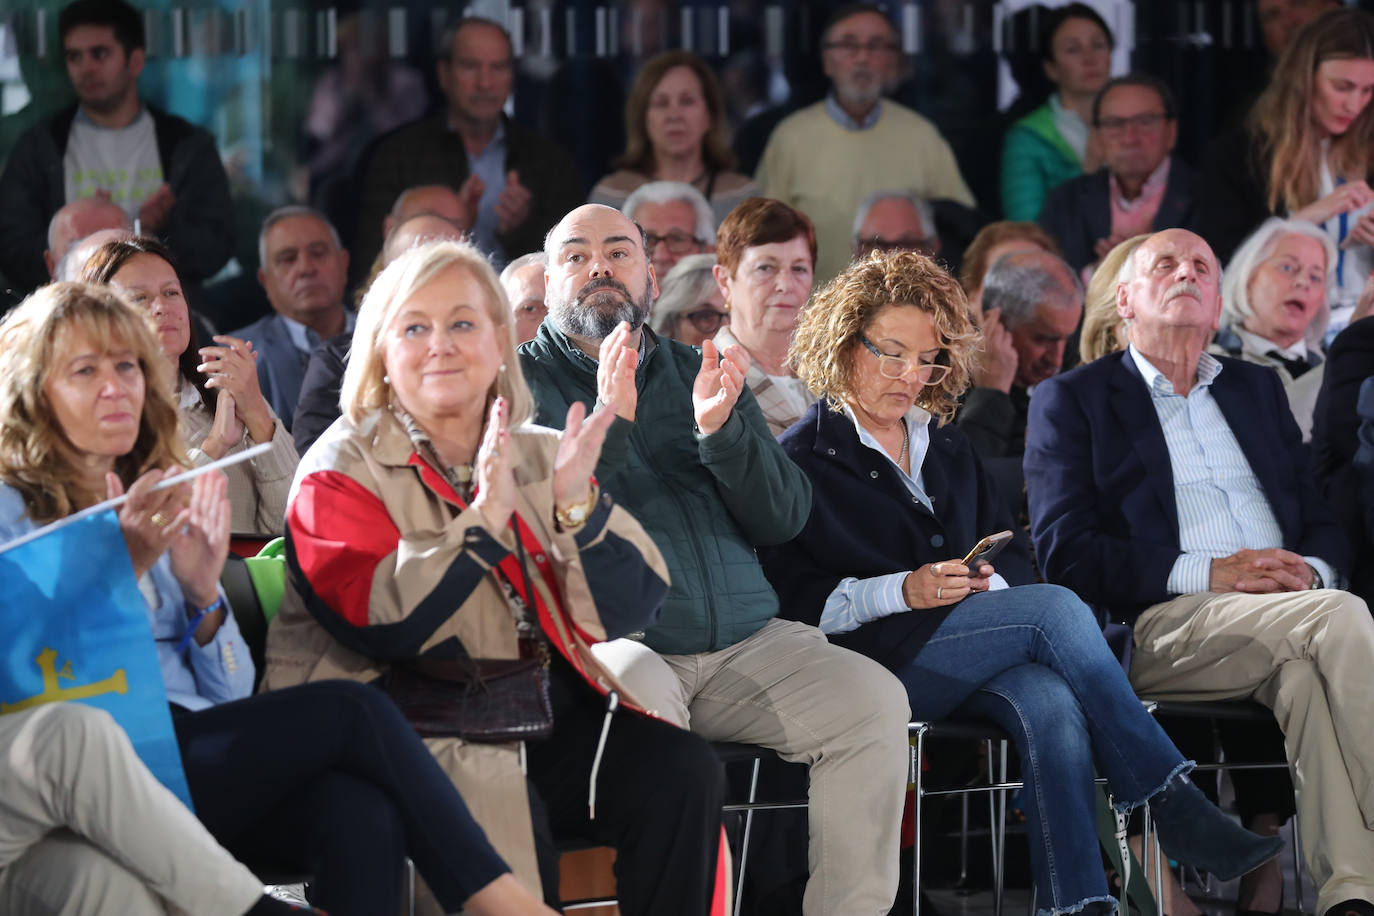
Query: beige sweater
826 171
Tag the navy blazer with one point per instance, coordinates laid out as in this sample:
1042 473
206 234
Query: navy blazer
864 522
1079 211
1104 516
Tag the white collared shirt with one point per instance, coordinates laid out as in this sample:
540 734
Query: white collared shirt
1220 503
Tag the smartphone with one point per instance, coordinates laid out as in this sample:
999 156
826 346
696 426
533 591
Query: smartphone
986 549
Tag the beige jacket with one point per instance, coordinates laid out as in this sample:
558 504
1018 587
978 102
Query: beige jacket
384 563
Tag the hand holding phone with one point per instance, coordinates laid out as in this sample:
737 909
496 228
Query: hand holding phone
985 550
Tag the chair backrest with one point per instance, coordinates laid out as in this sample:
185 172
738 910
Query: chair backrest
254 587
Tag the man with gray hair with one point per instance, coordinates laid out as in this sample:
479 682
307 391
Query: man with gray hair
895 221
523 281
676 219
303 270
1032 303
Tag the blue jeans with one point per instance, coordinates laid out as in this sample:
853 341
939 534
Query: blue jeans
1032 659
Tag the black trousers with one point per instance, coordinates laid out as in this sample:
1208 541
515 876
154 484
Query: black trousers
329 779
658 800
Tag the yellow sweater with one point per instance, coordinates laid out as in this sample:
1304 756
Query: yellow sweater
826 171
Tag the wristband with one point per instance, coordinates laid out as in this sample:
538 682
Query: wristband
201 614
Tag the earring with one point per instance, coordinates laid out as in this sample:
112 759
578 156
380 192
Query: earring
727 306
386 379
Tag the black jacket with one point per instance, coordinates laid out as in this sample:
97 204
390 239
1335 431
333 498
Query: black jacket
1079 211
864 523
200 230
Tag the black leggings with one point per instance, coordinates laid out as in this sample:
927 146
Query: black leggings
659 793
329 779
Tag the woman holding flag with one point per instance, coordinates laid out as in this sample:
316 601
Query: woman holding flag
327 778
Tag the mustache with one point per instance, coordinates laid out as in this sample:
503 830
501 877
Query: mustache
595 286
1182 288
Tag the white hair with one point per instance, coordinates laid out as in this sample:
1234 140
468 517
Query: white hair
520 263
664 192
1235 290
922 207
287 212
1020 282
687 285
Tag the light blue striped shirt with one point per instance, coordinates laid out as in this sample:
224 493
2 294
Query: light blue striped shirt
1221 504
857 601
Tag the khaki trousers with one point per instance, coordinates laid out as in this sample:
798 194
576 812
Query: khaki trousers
85 829
787 688
1308 656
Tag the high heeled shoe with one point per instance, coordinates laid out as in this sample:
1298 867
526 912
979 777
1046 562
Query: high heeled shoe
1195 831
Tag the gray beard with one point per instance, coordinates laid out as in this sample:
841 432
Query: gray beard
596 316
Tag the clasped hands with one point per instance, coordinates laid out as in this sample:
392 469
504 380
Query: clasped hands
1261 572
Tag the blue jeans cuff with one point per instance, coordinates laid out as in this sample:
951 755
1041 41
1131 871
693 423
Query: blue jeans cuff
1182 769
1078 907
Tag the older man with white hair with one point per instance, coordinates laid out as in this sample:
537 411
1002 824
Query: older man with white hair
895 221
78 220
676 219
1171 488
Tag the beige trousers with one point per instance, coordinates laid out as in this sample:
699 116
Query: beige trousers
1309 656
787 688
85 829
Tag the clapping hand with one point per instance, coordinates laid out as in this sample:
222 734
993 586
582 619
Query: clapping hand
615 372
149 518
494 470
200 543
579 449
718 385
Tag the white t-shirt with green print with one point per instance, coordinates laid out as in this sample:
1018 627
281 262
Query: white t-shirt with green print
123 161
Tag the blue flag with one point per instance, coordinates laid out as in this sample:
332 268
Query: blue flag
74 626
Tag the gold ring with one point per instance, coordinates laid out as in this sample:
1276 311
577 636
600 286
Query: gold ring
160 520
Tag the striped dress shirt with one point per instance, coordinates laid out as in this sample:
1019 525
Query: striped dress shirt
1221 504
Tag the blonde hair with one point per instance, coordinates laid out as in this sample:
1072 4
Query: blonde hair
36 455
365 386
827 338
1281 120
1103 331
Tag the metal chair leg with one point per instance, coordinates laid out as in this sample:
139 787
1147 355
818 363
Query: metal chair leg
1299 869
918 755
1000 829
748 826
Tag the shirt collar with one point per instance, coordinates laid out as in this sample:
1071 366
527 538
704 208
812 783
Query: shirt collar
304 338
1152 186
1251 342
918 429
842 118
1208 368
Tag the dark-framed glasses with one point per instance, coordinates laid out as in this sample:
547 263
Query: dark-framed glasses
852 46
1146 121
707 319
894 367
677 242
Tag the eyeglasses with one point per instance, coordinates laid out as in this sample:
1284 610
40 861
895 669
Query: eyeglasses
894 367
677 242
918 244
852 46
706 319
1140 122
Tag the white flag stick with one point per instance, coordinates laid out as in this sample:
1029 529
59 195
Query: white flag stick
118 501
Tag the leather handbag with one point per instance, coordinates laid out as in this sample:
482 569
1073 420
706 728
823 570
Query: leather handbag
488 701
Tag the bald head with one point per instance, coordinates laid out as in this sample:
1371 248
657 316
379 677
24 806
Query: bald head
77 220
598 273
1171 286
80 251
417 230
428 199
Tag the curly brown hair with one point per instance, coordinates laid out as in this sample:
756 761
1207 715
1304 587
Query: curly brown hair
827 338
36 456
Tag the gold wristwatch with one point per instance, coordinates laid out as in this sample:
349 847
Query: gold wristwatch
574 517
